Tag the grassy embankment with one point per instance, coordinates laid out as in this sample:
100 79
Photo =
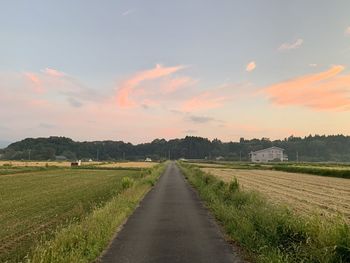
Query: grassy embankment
66 215
270 233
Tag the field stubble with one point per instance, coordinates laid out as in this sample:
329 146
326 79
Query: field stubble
304 193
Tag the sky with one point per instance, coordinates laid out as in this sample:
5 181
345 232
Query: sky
140 70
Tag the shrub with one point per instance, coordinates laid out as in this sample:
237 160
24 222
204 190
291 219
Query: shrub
127 182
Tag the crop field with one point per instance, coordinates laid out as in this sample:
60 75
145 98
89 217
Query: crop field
41 163
211 165
304 193
36 203
129 165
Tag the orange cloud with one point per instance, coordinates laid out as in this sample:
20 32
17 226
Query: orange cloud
127 87
251 66
289 46
322 91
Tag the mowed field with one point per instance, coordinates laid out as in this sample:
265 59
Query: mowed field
304 193
129 165
34 203
41 163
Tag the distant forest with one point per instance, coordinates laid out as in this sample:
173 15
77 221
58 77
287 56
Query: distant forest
335 148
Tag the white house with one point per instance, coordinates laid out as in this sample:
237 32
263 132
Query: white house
268 155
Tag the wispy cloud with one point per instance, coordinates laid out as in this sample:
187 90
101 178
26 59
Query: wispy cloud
175 84
313 65
128 12
289 46
328 90
199 119
35 82
215 97
204 101
190 131
46 125
251 66
53 72
347 31
127 87
56 85
74 102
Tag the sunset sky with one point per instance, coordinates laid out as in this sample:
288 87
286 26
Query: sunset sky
140 70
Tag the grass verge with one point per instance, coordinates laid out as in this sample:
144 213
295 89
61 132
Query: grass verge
84 241
267 232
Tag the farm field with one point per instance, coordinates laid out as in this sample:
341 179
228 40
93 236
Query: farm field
304 193
38 202
129 165
213 165
41 163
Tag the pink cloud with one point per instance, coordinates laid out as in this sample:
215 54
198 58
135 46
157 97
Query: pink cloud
35 81
215 97
127 87
204 101
53 72
175 84
251 66
347 31
290 46
326 90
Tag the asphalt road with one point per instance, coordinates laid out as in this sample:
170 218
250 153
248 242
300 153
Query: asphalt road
170 225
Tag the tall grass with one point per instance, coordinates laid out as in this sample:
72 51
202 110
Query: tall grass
84 241
270 233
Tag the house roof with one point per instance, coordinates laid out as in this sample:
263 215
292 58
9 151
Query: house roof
270 148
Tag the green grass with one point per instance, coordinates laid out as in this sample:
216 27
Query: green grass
15 169
84 241
333 171
98 167
270 233
35 204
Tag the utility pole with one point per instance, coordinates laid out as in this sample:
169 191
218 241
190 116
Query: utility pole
297 156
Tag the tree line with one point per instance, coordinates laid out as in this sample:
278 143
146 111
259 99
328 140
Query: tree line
334 148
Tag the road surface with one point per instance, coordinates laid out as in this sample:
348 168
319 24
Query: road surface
170 225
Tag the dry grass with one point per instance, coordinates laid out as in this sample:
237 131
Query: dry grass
41 163
304 193
129 165
213 165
